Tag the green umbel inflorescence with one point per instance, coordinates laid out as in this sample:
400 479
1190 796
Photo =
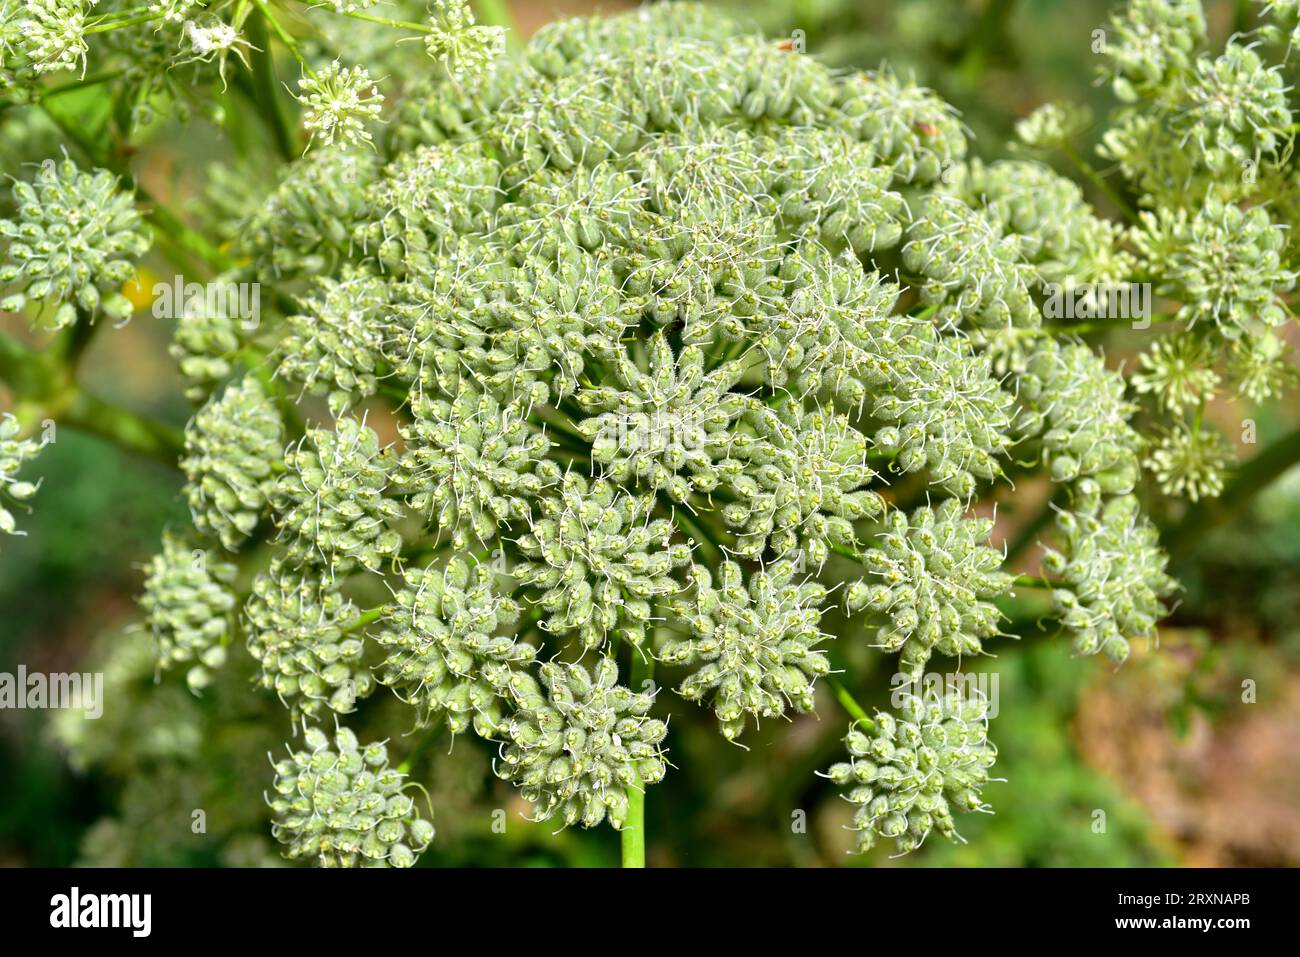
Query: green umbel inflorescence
304 226
598 561
1202 139
330 503
906 774
1112 573
342 805
621 350
1150 43
1177 370
799 476
579 741
333 346
38 37
205 343
72 243
640 291
914 131
753 645
1076 409
231 447
967 267
931 575
1054 124
449 648
1223 263
338 104
667 425
1057 231
189 604
472 464
464 47
304 633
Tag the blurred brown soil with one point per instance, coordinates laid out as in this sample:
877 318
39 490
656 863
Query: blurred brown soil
1228 791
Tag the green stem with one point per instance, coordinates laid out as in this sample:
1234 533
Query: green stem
708 543
365 618
289 42
1095 178
1029 532
1242 16
845 551
43 381
558 423
266 91
988 38
80 84
1104 325
633 830
426 739
387 22
115 15
167 226
848 703
1032 581
490 13
126 429
19 366
109 26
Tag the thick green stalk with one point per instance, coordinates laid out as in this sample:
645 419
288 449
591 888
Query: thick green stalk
387 21
1031 581
365 618
22 369
134 21
845 551
266 89
79 84
45 387
988 39
633 832
1028 533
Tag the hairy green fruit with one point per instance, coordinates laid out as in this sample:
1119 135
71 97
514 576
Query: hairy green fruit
189 605
14 452
232 445
754 644
907 773
446 653
73 242
344 806
303 632
930 575
656 352
580 741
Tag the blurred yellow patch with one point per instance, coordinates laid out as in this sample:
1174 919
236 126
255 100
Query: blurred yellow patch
139 290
